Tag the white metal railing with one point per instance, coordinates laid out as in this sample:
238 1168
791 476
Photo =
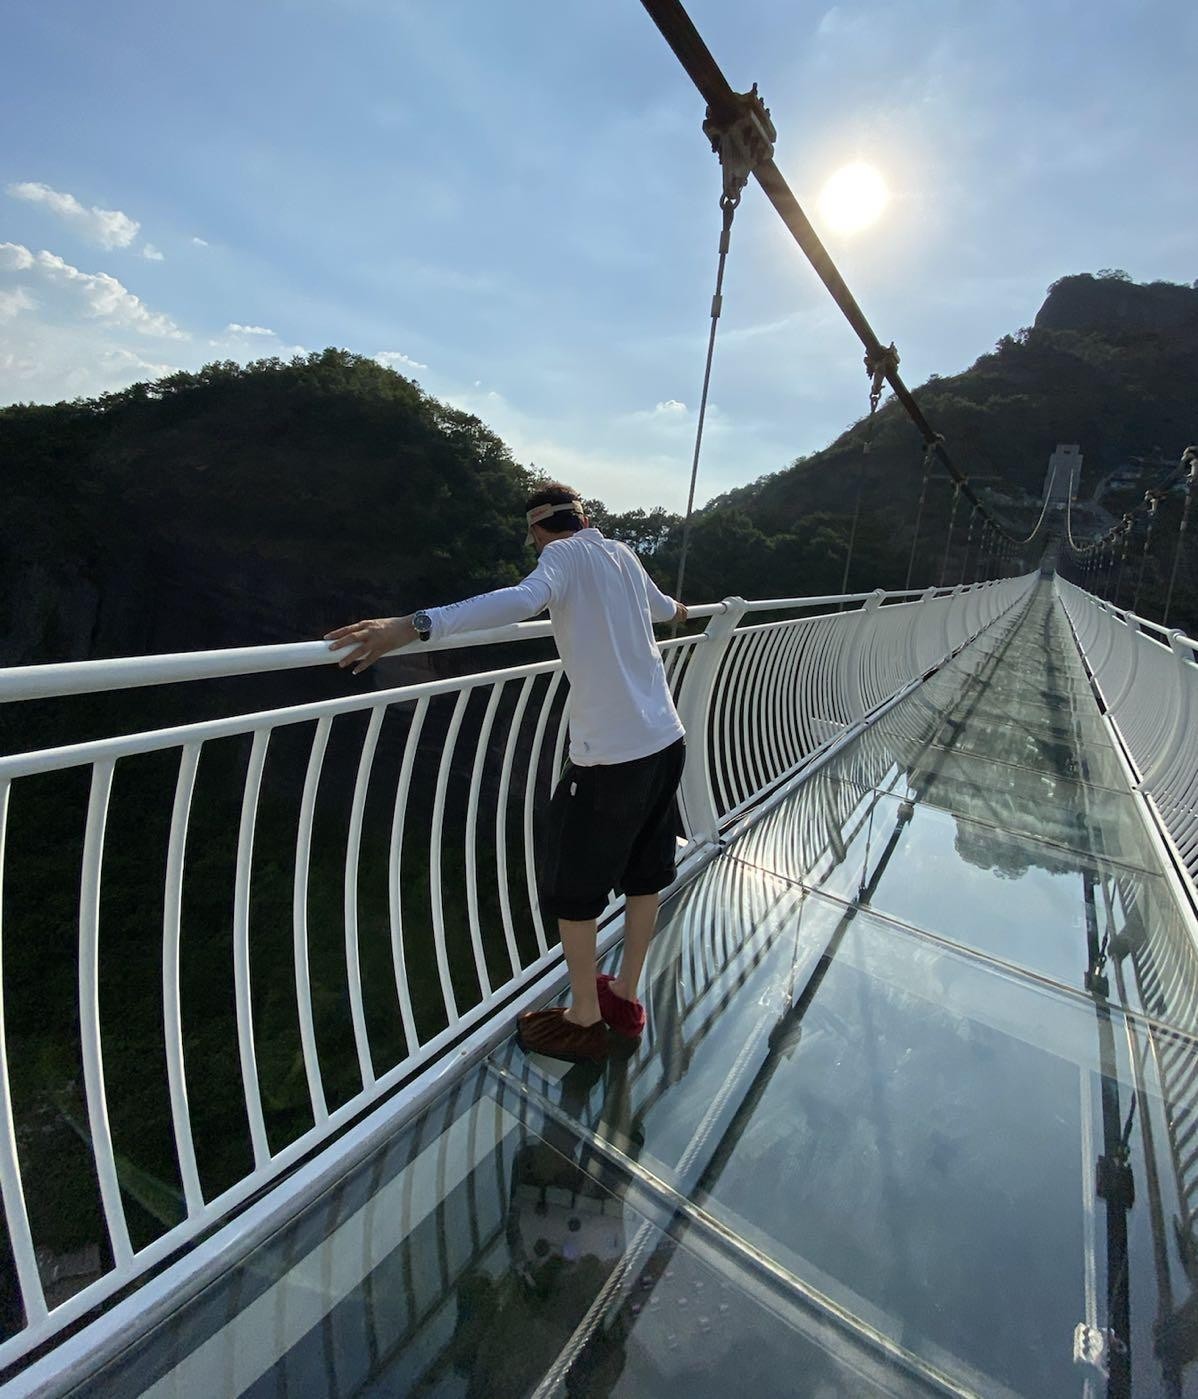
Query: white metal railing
431 804
1147 676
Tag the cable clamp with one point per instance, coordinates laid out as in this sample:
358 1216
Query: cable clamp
743 138
878 364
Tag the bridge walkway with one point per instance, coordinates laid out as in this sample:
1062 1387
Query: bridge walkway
911 1108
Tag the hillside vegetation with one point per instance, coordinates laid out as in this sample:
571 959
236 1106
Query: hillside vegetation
264 503
1108 364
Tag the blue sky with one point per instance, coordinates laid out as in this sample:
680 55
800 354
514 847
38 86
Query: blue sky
514 202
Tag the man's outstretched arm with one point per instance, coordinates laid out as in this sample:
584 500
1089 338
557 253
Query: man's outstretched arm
367 641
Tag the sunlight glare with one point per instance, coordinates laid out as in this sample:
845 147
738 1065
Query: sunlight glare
853 198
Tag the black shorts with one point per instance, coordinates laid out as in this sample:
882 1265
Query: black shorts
611 827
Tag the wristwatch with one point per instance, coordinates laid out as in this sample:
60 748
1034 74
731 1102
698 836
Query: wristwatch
423 624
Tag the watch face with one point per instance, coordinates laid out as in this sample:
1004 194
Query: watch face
422 621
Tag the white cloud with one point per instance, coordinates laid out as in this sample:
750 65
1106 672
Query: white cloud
200 242
12 303
83 334
15 258
390 359
671 405
613 465
233 328
835 21
152 253
16 365
122 361
105 297
107 227
109 299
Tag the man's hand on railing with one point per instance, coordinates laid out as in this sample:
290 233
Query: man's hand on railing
680 614
370 639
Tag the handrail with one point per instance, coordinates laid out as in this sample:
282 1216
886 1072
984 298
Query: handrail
131 672
62 678
450 904
1148 677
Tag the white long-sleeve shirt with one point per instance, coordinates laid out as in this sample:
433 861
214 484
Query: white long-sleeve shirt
602 605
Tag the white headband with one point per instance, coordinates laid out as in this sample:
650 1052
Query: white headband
543 512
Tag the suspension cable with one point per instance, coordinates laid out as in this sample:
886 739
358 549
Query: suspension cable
1152 499
923 495
1125 533
948 538
1146 507
729 209
741 134
973 514
1189 459
875 367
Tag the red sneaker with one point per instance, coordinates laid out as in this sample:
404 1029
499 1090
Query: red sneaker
625 1017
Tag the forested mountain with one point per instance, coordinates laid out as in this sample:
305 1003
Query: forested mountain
1109 364
244 505
266 503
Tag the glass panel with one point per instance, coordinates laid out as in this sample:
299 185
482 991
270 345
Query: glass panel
1012 664
1038 906
909 1131
477 1253
997 711
913 724
1040 804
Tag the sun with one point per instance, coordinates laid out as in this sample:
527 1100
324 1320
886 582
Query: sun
853 198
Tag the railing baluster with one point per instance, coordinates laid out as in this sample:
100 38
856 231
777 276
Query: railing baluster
435 840
752 708
299 920
189 758
722 727
773 681
669 663
89 1015
241 949
16 1214
530 787
501 807
353 851
394 863
561 744
805 706
476 778
738 683
753 764
771 670
756 757
789 688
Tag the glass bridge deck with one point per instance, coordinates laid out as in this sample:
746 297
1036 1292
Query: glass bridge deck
916 1112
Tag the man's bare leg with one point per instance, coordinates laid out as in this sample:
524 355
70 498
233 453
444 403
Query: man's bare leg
578 943
640 922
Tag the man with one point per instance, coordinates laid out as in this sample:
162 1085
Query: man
612 821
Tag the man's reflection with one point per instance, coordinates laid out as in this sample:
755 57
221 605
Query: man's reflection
566 1236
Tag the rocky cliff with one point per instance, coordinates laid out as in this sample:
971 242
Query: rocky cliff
1114 304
